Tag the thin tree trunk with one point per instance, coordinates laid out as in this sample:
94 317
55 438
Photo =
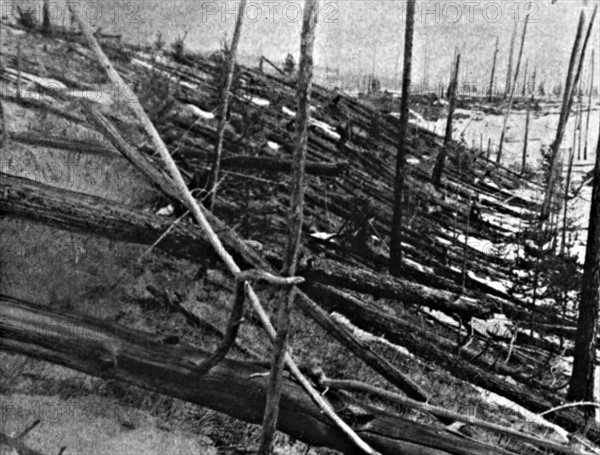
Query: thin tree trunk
46 24
489 149
581 386
507 88
19 64
512 92
224 104
447 91
525 74
526 139
580 122
296 218
491 90
589 110
527 121
436 177
396 234
567 105
566 199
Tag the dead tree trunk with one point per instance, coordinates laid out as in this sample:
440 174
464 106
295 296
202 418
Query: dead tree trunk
589 109
512 92
572 81
580 122
233 387
296 218
513 39
436 177
525 75
396 234
491 90
581 387
224 104
46 24
527 121
566 197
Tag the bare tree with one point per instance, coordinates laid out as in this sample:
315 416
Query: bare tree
589 109
581 387
46 24
224 103
396 234
572 82
512 91
296 218
527 121
491 90
438 170
513 39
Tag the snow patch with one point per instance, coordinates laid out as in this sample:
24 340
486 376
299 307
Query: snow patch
323 235
288 112
197 112
440 317
368 337
260 101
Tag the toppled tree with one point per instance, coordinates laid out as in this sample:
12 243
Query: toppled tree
396 234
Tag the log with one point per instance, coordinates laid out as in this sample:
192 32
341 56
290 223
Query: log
233 387
84 213
423 345
386 286
273 165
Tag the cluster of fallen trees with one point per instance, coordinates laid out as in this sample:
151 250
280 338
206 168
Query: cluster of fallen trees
108 351
73 211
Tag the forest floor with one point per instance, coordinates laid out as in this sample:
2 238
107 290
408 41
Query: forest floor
481 263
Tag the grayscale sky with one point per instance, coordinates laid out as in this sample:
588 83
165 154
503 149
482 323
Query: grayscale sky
357 36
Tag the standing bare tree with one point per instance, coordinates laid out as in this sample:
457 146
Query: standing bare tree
513 39
438 170
589 109
396 234
581 387
512 91
572 82
527 121
46 24
224 103
491 90
296 218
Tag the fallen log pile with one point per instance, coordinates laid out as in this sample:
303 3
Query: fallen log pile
343 176
233 387
69 210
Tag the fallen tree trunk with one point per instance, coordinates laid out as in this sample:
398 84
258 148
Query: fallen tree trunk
233 387
419 343
80 212
83 213
380 285
272 165
74 211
